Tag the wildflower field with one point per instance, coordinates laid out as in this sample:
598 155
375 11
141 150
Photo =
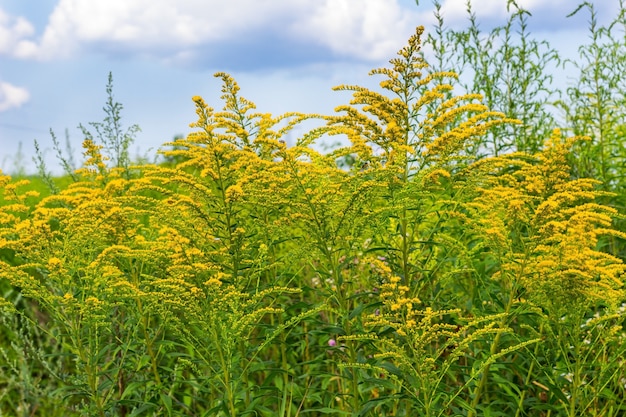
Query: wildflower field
460 254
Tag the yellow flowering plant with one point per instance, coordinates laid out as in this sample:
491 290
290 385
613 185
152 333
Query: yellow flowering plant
399 274
543 229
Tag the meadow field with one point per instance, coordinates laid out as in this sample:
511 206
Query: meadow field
460 253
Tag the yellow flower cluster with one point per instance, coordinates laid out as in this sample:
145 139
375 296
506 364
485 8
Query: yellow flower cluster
216 248
547 227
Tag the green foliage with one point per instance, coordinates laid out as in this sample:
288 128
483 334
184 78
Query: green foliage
513 71
510 69
244 276
110 132
595 107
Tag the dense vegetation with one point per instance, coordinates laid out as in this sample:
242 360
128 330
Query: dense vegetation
461 255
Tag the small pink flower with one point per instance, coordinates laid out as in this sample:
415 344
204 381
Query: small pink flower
332 342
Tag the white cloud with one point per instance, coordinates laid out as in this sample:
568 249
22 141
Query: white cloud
368 29
143 24
551 15
12 96
457 9
14 32
190 30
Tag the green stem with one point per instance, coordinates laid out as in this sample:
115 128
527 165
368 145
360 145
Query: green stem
91 371
356 400
226 369
285 367
244 371
145 325
227 211
145 321
85 356
576 381
492 351
528 376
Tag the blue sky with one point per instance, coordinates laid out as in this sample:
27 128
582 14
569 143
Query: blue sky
55 56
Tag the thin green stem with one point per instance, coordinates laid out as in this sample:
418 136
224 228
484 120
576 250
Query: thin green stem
529 375
495 346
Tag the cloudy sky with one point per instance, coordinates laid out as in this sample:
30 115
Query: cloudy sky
55 56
